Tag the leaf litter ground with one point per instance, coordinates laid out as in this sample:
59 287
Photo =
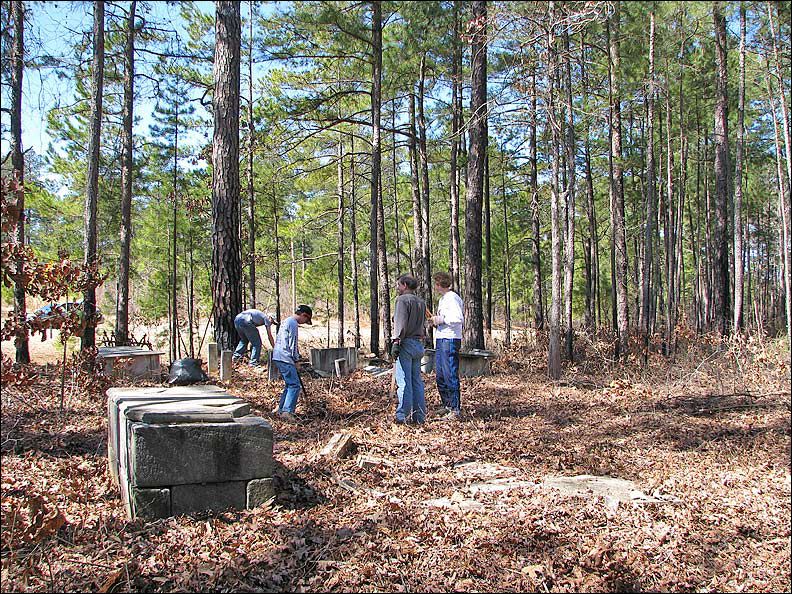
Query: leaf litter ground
706 438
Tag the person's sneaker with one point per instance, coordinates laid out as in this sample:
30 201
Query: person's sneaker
451 415
441 409
288 417
398 421
276 410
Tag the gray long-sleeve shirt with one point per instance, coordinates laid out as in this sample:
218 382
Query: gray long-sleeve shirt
286 342
408 321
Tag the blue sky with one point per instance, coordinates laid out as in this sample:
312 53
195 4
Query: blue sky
56 25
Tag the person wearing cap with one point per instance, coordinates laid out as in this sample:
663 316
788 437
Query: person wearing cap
285 355
246 324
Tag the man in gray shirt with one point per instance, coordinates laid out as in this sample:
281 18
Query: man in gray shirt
408 350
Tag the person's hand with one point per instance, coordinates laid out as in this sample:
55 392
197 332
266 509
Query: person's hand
437 320
395 350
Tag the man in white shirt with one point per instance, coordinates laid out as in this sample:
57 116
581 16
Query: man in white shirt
448 319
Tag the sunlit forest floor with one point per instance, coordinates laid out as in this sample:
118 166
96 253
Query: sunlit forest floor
706 437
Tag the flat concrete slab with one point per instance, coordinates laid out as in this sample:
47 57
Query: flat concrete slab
138 362
189 453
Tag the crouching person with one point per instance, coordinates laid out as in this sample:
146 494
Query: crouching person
247 324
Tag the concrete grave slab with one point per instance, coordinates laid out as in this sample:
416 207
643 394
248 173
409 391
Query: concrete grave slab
140 362
187 448
178 454
186 499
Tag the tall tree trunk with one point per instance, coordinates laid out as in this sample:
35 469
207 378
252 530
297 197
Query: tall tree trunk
506 255
174 329
569 192
488 248
340 226
353 239
251 247
276 233
669 236
591 247
376 169
226 257
784 198
649 221
783 204
456 91
415 188
122 309
721 305
396 218
293 275
474 330
554 351
738 191
621 312
18 164
92 182
424 283
536 242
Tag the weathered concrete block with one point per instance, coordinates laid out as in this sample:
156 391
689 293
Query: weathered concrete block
121 400
475 363
161 455
149 503
214 358
226 365
186 499
259 491
323 360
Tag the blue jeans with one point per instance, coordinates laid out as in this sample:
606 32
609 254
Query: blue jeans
447 371
412 405
248 333
288 399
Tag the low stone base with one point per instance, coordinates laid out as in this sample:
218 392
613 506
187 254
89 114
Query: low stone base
151 504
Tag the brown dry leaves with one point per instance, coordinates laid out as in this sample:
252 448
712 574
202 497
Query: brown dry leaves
710 434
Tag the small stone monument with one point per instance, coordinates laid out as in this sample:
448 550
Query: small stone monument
185 449
226 364
214 363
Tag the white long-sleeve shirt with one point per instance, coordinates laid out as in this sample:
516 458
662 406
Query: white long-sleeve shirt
452 310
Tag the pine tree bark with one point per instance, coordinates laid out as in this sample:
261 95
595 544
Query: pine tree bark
251 247
536 243
621 311
353 239
377 266
412 148
738 190
226 248
721 301
92 182
569 192
122 310
456 90
21 340
340 257
650 200
425 282
474 327
554 350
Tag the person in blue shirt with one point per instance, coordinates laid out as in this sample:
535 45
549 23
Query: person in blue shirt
246 324
285 356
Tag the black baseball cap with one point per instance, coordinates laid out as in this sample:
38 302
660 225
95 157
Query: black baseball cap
304 309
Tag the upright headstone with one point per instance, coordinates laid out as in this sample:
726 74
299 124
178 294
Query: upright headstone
225 365
214 364
272 371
